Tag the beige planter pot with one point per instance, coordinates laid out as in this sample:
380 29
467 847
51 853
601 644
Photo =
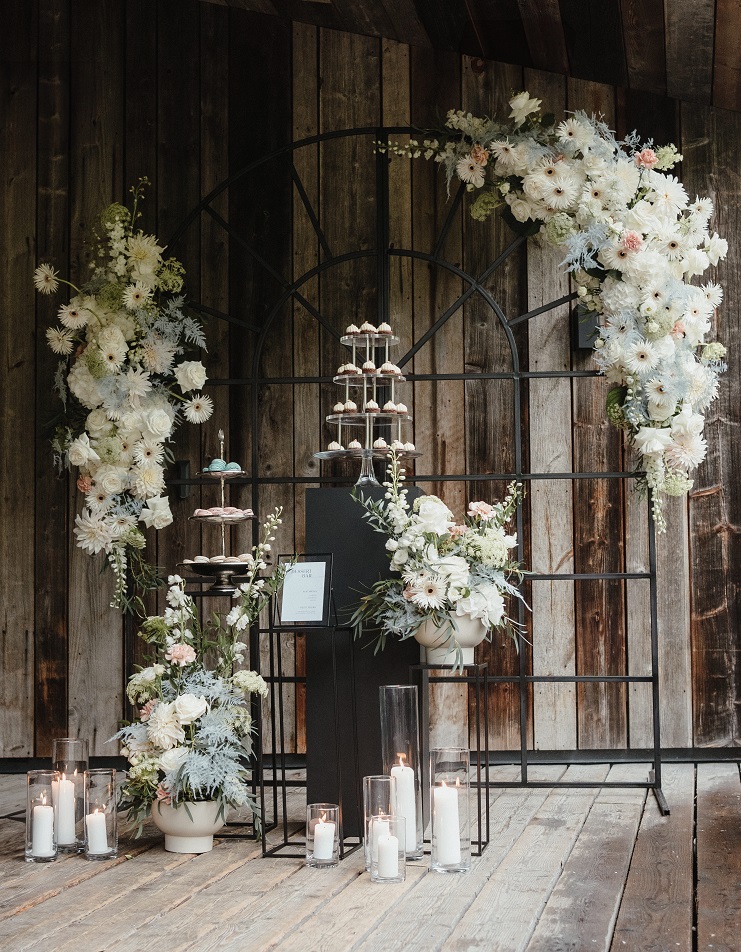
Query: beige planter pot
438 642
188 834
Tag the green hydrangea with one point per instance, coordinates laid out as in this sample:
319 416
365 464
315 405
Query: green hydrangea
115 214
95 363
171 276
614 407
111 296
713 351
485 204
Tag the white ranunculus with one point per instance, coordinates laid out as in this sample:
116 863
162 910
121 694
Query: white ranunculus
454 568
172 760
433 515
81 453
157 424
191 375
660 410
484 602
110 479
189 708
652 441
164 728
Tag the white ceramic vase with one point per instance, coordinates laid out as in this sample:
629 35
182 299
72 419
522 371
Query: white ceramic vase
189 834
437 642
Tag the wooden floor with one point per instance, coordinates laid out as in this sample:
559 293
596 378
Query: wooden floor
565 870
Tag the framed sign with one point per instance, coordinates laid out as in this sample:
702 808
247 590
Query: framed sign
305 601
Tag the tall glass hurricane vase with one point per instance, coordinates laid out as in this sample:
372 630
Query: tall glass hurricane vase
401 758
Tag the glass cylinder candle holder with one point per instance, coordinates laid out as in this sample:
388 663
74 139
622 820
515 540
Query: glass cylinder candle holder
388 836
41 844
322 835
451 823
401 759
101 828
378 799
69 754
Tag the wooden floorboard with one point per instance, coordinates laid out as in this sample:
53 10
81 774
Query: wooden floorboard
594 868
718 858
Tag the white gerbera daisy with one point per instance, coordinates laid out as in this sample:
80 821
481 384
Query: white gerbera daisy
669 242
713 293
148 451
121 524
575 132
73 317
136 295
45 279
562 191
431 594
60 340
93 534
640 357
702 208
470 171
98 501
198 409
507 155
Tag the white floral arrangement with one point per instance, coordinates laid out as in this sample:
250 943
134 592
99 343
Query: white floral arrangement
193 735
448 570
633 242
125 386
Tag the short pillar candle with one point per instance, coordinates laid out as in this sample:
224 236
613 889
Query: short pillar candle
322 835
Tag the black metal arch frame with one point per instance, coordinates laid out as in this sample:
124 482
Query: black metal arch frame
474 285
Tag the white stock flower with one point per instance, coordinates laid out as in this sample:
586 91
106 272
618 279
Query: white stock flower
84 386
189 708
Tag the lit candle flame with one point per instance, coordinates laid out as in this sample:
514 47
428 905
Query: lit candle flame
64 776
323 817
457 781
444 785
401 758
43 799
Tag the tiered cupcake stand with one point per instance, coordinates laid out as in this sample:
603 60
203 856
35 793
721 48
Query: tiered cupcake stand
367 379
224 569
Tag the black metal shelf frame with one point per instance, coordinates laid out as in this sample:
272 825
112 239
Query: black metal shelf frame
290 288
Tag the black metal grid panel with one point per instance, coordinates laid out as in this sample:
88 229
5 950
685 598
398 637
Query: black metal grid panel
474 285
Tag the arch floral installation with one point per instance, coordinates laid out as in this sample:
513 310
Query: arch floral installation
633 242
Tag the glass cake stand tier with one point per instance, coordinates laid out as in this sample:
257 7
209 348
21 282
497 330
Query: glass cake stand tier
377 453
226 575
361 417
375 340
226 520
221 473
357 380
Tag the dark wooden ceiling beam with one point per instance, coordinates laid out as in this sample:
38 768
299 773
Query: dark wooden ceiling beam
499 28
449 26
690 28
541 20
727 64
594 40
645 50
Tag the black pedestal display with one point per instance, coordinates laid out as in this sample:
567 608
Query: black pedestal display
335 523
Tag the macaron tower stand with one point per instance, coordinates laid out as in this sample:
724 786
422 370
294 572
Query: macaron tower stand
363 379
223 568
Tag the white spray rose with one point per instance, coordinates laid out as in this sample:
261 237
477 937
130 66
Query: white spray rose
81 453
650 441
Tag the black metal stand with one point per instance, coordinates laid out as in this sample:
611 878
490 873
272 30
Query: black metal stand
478 676
293 844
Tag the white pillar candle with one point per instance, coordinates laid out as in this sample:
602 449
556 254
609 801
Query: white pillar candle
447 833
380 828
324 840
406 801
388 856
97 835
42 830
63 794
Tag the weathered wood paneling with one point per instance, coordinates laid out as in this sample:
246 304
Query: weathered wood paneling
110 100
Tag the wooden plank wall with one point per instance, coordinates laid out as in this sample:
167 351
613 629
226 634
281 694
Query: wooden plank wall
95 93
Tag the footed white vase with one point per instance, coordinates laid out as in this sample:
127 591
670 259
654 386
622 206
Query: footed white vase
437 642
188 834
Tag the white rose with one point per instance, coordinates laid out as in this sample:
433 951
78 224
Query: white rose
650 441
659 409
189 708
191 375
110 479
520 208
484 602
433 515
80 452
172 760
156 513
98 424
156 424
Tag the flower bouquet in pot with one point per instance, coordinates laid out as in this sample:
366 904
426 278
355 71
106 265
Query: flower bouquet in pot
453 579
189 748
